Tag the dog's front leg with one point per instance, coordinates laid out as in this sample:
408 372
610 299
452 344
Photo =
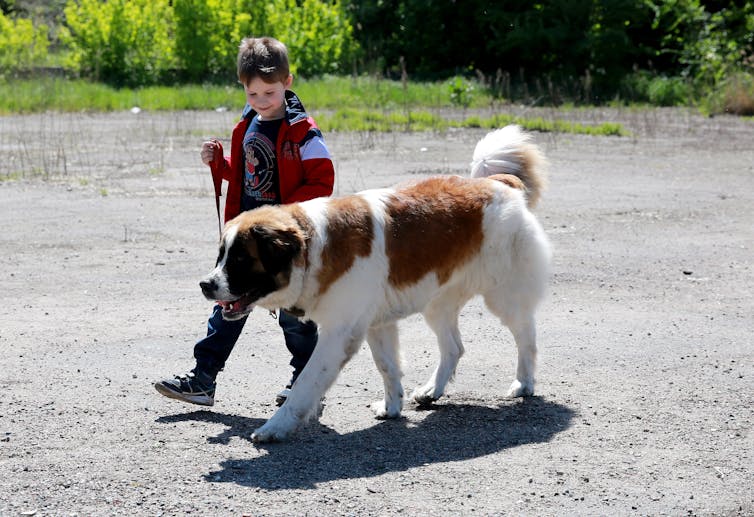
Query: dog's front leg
332 352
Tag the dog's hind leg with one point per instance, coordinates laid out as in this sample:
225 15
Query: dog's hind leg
383 342
521 324
442 317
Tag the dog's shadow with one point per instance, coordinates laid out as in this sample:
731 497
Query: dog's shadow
450 432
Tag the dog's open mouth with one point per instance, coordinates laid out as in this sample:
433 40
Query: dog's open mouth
236 309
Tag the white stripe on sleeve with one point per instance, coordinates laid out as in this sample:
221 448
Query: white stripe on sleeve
314 148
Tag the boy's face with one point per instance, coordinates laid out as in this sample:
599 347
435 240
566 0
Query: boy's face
267 99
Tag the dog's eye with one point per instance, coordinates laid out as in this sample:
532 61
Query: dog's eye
238 259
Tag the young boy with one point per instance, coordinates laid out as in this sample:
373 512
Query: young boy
277 155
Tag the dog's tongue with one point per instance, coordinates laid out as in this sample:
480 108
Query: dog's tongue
230 306
234 307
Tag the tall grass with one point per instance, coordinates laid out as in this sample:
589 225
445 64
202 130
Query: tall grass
71 95
341 103
350 119
333 92
735 96
59 94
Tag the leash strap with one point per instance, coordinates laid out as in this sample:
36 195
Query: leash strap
217 183
217 207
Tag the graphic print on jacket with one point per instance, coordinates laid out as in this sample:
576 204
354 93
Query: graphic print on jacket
261 180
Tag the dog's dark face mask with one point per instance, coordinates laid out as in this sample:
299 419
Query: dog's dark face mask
253 262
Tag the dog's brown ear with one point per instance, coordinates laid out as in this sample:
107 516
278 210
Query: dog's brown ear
277 247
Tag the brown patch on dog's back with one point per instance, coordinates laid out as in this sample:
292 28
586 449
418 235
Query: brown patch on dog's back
350 233
434 226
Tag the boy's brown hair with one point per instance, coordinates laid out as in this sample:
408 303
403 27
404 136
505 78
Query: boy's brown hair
266 58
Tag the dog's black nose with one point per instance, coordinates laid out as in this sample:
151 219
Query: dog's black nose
208 287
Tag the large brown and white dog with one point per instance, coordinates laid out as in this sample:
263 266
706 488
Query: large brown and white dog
357 264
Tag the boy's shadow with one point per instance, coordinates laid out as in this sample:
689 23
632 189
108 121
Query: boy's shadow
316 454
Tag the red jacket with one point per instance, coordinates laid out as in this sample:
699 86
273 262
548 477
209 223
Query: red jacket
304 165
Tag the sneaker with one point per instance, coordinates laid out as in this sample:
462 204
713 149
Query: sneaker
189 388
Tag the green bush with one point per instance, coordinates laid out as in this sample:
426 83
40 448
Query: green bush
21 43
141 42
685 51
704 41
657 90
669 91
207 35
461 92
121 42
735 95
318 34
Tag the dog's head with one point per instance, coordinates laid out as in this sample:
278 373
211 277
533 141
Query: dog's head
258 251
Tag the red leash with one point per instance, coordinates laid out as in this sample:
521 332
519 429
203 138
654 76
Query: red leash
217 183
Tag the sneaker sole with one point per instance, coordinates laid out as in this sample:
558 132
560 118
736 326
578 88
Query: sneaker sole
200 400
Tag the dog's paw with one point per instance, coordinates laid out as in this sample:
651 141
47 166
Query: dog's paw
382 412
424 396
520 389
270 433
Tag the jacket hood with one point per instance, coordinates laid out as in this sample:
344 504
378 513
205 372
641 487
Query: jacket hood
294 109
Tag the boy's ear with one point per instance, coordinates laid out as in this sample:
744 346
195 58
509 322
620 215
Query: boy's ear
288 81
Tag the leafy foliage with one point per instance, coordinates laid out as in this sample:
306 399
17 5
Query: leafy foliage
662 51
318 34
124 42
586 48
207 35
7 6
703 42
144 42
461 92
547 38
21 43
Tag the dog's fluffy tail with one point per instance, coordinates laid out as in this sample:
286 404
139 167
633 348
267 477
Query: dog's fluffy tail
509 151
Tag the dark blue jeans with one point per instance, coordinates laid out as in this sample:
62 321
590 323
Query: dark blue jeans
212 351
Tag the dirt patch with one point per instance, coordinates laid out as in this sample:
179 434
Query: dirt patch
645 400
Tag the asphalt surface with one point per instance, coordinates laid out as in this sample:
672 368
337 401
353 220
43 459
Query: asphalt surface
645 394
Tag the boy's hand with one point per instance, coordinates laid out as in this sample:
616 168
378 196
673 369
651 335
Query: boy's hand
209 149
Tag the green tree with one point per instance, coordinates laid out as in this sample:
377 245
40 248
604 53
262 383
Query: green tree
207 35
21 43
317 33
704 41
7 6
547 39
122 42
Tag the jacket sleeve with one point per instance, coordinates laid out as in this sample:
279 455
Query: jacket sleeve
318 170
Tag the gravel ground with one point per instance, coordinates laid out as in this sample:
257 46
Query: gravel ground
645 400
